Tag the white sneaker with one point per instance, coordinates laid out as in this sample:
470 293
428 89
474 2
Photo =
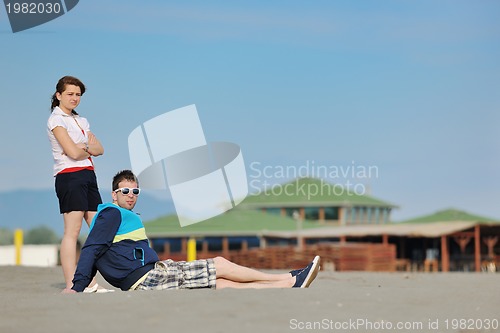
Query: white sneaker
96 289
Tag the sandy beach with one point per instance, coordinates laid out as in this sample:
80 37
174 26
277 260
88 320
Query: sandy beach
335 302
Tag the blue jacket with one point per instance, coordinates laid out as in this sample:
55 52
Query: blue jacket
117 246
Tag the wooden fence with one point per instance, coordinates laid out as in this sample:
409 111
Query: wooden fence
334 256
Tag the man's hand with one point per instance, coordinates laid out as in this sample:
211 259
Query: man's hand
68 291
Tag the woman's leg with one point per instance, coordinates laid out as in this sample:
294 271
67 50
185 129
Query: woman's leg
72 227
89 216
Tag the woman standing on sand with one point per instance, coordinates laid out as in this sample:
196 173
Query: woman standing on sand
73 146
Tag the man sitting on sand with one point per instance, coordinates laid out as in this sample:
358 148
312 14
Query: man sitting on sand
117 247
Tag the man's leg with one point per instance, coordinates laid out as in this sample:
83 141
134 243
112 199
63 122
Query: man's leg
231 275
233 272
89 216
285 283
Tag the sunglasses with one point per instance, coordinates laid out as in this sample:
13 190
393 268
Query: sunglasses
126 190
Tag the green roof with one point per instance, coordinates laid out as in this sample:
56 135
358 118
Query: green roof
310 192
234 222
449 215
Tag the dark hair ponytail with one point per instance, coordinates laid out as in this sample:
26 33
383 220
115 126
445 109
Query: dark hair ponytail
61 86
55 102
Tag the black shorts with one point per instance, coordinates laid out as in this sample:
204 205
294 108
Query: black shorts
77 191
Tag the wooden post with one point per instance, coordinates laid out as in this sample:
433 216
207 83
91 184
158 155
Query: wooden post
302 243
445 256
184 245
298 228
204 247
166 249
342 215
263 242
302 213
225 245
385 239
321 214
477 247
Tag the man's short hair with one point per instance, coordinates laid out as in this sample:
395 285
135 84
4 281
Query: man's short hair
124 175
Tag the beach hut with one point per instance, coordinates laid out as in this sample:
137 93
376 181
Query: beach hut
321 201
474 242
233 230
448 239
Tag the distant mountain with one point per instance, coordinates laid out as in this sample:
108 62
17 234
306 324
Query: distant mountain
26 209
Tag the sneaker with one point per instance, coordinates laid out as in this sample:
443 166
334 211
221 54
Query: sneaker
92 289
296 271
102 290
97 289
308 274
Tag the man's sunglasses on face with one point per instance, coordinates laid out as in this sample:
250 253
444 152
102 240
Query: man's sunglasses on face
126 190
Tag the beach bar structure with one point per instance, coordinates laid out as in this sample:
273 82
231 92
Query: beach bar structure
318 200
308 211
303 203
440 238
477 241
449 240
234 230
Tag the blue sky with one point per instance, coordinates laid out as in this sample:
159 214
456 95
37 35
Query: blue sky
410 87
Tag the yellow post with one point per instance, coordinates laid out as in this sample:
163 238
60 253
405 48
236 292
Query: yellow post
191 249
18 243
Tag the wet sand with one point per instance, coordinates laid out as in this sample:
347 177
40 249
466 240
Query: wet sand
335 302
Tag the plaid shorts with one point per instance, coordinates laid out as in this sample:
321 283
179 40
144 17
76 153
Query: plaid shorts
169 274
